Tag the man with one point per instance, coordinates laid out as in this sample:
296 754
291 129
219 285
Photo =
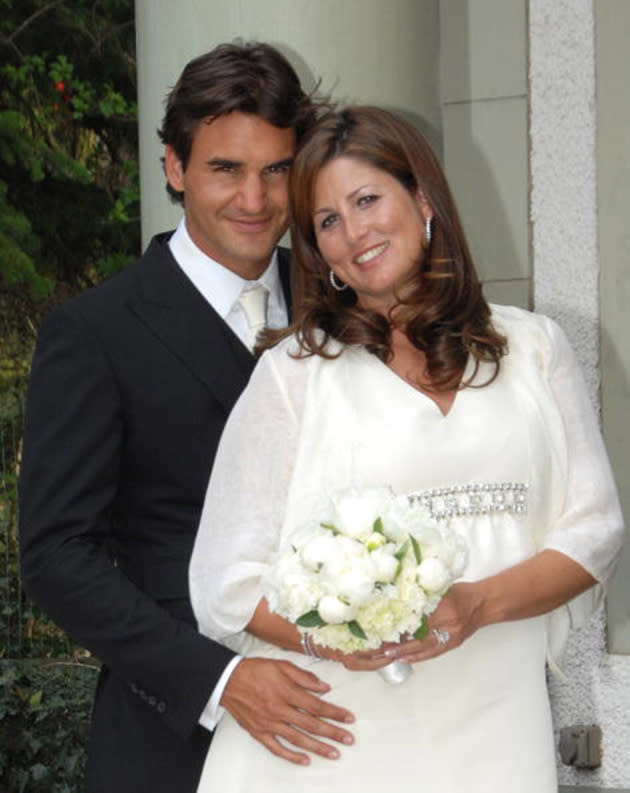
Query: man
131 385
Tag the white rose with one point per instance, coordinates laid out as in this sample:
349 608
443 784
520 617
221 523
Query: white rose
300 598
430 540
357 583
347 554
432 575
404 517
385 565
355 512
318 551
334 611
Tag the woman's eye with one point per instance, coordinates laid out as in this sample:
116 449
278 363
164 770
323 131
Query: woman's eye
366 200
328 221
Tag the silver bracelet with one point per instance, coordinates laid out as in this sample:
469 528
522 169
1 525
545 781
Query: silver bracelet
309 647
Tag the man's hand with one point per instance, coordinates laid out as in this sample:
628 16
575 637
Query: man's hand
276 700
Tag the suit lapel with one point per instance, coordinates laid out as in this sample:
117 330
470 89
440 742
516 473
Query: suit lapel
284 262
168 303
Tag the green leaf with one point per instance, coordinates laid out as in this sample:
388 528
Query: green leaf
416 548
356 630
402 551
378 526
422 630
36 698
310 620
39 771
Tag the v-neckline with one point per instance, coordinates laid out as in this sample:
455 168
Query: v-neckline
407 386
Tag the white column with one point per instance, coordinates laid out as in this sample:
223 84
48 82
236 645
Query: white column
566 286
371 51
564 193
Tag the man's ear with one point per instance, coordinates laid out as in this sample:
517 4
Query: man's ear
173 169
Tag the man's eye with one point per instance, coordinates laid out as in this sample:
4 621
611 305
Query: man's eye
281 168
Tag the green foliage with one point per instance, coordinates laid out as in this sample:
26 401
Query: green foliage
69 215
68 147
356 630
44 722
310 620
422 629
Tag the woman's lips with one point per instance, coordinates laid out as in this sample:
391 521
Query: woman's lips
370 253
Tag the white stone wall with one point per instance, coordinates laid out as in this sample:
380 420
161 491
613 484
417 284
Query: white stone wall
564 239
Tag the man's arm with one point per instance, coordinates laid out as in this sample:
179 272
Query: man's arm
72 452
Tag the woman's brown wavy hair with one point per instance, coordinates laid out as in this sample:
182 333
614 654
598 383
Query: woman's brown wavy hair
445 315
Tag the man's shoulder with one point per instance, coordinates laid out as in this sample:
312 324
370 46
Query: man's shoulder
117 288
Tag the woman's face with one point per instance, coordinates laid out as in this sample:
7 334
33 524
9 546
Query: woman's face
369 229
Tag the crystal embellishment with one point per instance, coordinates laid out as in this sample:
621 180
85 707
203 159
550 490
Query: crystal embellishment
473 499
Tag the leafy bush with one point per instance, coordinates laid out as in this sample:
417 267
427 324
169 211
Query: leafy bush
44 725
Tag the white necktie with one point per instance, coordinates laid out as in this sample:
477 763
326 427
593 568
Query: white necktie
254 304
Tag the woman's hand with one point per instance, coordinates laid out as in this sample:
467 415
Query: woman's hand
529 589
457 615
455 619
364 661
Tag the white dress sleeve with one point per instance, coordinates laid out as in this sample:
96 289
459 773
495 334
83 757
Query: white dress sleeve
589 528
245 502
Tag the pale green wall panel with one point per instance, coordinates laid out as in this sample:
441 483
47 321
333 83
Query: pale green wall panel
515 292
483 71
487 49
485 151
613 166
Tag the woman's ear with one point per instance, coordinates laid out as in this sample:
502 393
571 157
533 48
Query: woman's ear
425 208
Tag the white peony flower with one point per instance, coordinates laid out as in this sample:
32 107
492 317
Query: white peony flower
385 565
355 511
433 574
348 553
318 551
430 540
334 611
403 518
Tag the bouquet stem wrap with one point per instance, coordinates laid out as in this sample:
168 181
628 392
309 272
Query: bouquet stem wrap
396 672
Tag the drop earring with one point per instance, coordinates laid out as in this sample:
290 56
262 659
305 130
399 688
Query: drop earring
427 230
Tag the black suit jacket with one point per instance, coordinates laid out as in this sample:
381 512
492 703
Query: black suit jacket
131 385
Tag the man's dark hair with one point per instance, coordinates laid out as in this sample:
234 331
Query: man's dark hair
249 77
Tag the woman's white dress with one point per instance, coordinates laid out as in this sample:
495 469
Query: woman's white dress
476 718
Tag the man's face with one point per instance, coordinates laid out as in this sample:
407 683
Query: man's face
235 189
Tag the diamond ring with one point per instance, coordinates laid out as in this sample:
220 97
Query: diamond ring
441 636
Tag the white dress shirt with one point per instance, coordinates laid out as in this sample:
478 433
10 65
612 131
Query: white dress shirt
221 288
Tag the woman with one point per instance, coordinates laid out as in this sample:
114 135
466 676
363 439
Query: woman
396 372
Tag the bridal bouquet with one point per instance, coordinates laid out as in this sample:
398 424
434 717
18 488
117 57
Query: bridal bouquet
370 571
